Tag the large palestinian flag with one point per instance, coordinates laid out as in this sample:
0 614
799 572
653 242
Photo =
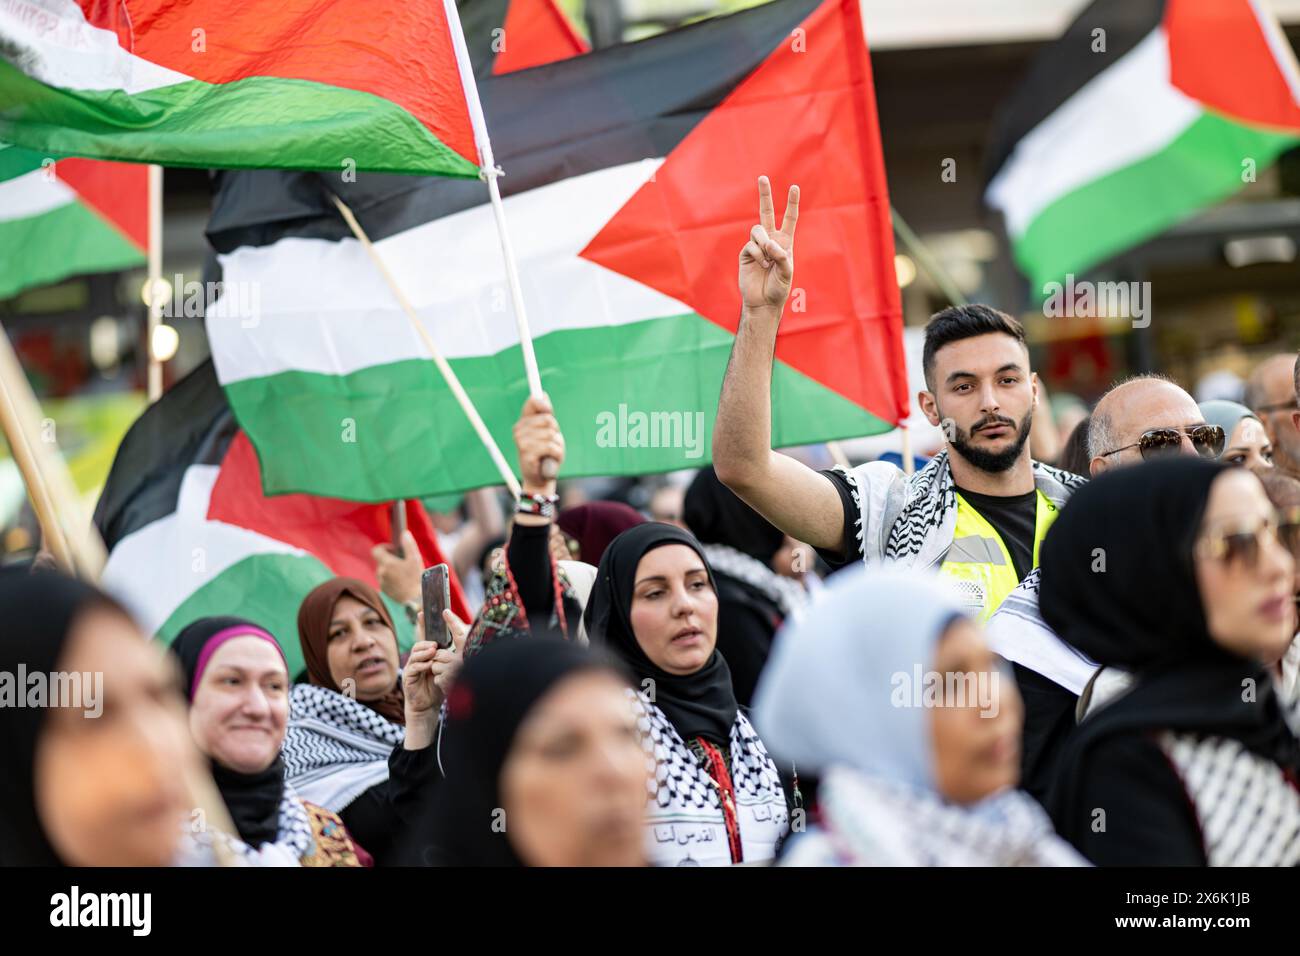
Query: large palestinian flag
67 218
1142 113
300 84
630 188
508 35
190 534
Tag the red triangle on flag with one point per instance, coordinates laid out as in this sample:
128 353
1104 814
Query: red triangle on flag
400 50
339 533
807 115
536 32
1220 54
117 191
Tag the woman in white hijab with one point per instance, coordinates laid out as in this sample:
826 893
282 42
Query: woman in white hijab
885 689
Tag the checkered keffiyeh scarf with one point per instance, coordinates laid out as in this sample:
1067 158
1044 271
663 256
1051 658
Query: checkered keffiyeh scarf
869 821
911 521
685 812
1249 812
294 840
335 748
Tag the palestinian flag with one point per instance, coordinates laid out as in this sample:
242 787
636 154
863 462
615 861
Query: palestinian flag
508 35
68 217
190 534
299 84
1144 112
630 188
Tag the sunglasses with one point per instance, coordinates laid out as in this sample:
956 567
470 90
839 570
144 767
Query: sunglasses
1208 440
1243 546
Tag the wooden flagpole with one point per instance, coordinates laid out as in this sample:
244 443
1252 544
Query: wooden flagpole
68 531
52 535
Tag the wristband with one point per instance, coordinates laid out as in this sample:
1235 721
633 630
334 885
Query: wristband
541 505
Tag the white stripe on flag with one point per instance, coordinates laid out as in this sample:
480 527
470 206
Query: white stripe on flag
324 308
52 42
32 194
153 570
1122 115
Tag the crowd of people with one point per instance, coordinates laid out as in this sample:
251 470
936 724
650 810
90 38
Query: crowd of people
1009 663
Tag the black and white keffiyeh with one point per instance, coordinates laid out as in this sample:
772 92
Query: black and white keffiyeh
1249 813
911 521
294 840
685 819
1018 633
335 748
869 821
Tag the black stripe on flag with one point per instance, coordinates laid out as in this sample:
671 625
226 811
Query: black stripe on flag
478 18
190 425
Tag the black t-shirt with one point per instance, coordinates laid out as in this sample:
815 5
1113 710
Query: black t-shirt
1012 517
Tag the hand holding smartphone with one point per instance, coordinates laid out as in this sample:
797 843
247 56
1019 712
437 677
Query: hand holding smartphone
435 587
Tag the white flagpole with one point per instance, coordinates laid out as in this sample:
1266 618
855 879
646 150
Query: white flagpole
155 380
489 171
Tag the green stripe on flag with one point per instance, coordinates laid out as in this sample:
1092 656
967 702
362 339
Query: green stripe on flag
67 241
267 589
15 161
1204 164
394 431
254 123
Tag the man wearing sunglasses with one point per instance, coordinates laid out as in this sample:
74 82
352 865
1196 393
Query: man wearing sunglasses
1148 417
1271 394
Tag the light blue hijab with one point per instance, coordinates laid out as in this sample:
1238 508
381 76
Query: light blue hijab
1227 415
827 694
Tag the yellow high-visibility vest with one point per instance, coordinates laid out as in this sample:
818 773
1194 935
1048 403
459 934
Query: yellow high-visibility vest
978 560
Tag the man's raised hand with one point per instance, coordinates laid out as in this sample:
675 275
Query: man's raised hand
767 260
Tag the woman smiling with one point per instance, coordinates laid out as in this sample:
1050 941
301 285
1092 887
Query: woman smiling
237 682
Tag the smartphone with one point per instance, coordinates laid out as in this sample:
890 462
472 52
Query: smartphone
435 586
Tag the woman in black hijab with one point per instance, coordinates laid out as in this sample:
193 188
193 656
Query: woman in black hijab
718 798
1172 572
237 682
753 599
89 766
543 764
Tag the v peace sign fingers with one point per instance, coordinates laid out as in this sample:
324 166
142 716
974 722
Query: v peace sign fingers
767 259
